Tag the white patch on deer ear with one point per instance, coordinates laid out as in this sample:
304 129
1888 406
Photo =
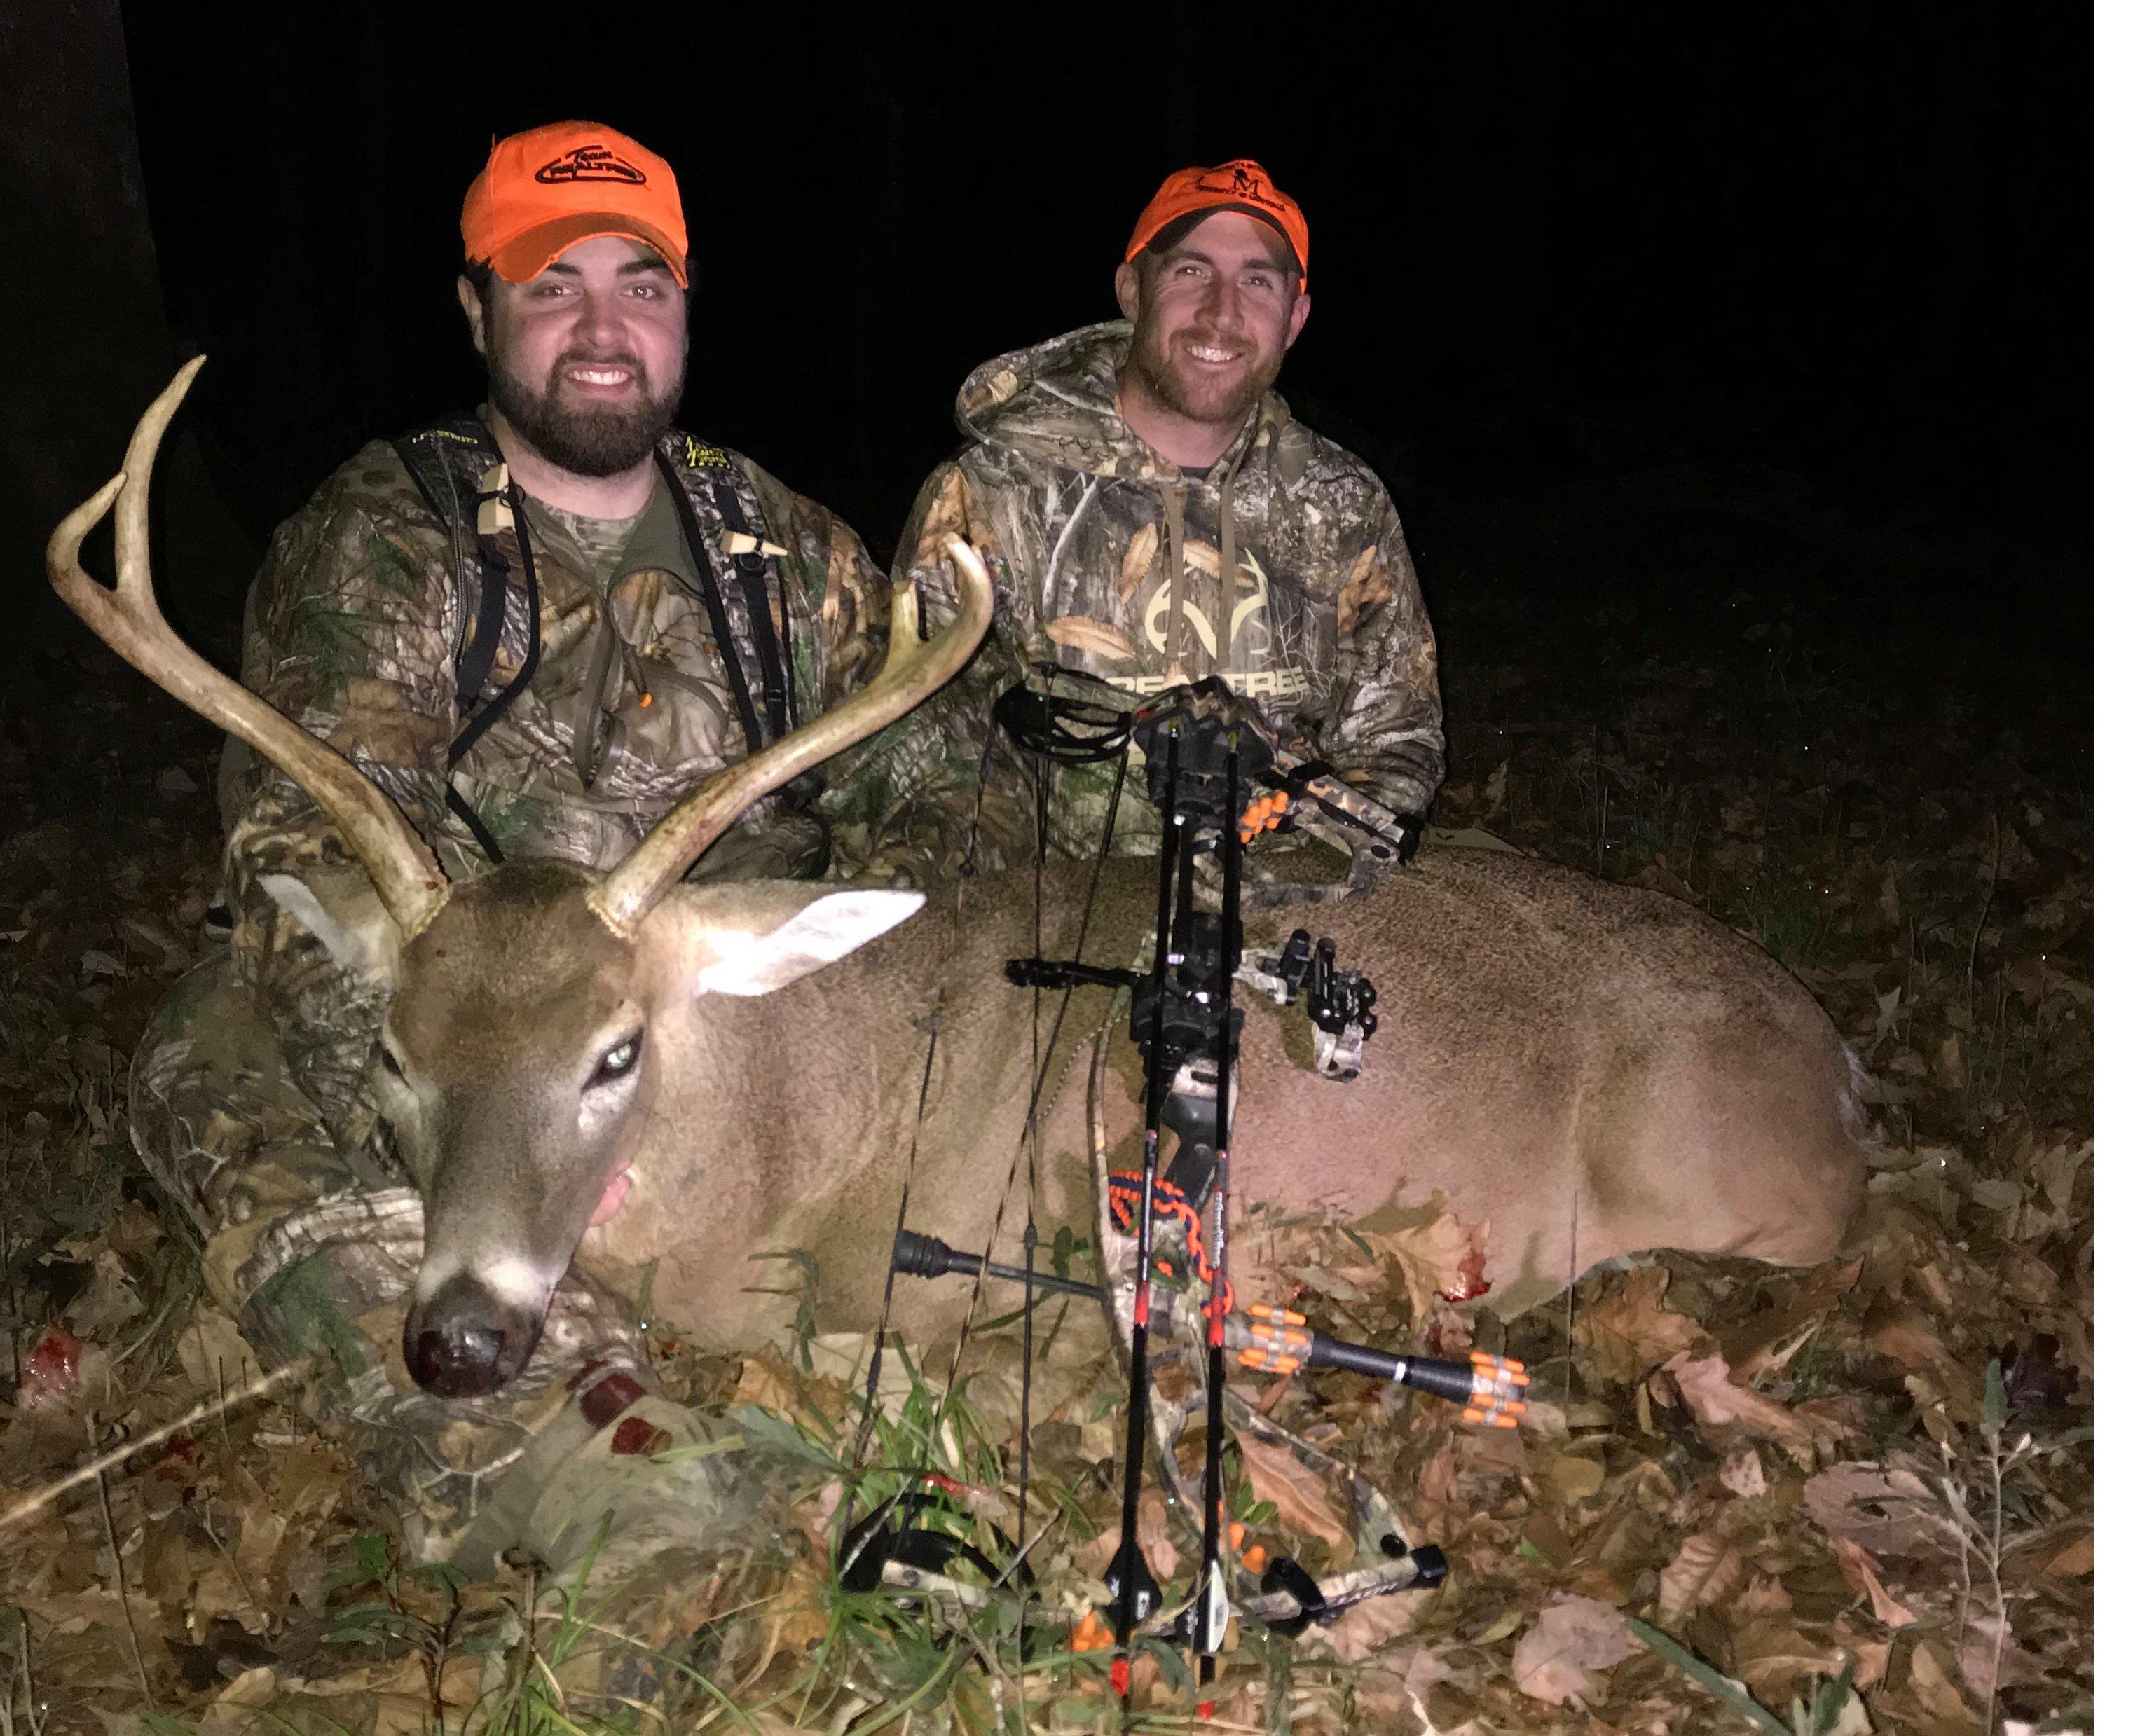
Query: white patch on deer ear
825 929
341 907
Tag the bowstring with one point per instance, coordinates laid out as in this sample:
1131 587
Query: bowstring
1043 785
904 1502
867 1419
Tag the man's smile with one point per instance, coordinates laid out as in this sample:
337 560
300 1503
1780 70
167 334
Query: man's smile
1214 355
601 379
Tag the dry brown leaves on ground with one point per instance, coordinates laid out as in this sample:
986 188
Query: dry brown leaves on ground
1795 1476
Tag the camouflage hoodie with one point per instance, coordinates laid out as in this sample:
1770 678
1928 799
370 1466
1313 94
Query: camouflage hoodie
1284 569
353 628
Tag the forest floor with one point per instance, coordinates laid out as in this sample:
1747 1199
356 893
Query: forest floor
1876 1476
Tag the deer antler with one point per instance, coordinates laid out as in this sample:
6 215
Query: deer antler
126 618
913 670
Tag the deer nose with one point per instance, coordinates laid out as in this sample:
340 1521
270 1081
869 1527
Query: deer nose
464 1342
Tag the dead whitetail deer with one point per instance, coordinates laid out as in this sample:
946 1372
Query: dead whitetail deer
591 1062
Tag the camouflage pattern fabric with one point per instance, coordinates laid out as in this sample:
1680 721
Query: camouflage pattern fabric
1284 569
353 628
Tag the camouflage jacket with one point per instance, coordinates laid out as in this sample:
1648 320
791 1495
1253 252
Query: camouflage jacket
353 627
1284 569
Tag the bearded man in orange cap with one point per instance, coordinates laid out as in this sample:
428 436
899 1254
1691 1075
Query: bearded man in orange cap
537 626
1153 513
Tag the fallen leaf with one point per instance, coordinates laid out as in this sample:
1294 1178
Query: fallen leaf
251 1690
1299 1494
1560 1660
1851 1718
1934 1411
1705 1569
1989 1645
1717 1402
1742 1473
1775 1659
213 1354
1890 1003
1766 1344
1896 1329
1883 1511
1869 1657
1367 1627
1429 1246
2078 1557
1935 1687
1863 1577
108 1301
771 1383
1419 1670
1631 1332
1764 1596
1575 1476
1157 1540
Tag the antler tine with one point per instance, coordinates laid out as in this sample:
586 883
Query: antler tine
125 617
913 670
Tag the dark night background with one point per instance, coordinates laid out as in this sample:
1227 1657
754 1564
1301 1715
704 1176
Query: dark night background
1721 274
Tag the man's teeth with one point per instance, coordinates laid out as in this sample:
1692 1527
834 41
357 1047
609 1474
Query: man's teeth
1212 353
600 376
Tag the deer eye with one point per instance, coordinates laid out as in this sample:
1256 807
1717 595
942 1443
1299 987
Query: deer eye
617 1063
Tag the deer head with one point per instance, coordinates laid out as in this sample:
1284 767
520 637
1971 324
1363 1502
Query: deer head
529 1005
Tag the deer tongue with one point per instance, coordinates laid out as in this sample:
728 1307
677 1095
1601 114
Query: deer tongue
613 1196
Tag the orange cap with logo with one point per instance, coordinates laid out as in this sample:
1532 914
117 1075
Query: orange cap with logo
553 187
1241 185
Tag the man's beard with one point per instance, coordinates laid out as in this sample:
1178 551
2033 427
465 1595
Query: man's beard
1167 382
587 439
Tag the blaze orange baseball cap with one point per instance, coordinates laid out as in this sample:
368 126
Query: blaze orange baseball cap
1241 185
552 188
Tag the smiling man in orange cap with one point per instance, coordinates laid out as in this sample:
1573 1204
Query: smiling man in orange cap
1154 513
575 291
537 626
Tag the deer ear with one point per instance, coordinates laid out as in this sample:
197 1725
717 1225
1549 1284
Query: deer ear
744 942
342 909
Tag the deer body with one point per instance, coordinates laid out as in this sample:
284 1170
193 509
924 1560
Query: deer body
1590 1070
636 1067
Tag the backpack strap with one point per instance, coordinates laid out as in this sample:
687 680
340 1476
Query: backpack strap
776 655
771 667
505 507
480 527
499 509
428 466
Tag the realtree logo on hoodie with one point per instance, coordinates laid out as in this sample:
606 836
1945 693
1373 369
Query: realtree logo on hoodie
1256 680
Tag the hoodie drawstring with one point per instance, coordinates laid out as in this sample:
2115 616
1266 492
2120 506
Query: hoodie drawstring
1222 617
1175 499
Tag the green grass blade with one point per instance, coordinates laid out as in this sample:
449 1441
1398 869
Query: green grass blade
1711 1678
